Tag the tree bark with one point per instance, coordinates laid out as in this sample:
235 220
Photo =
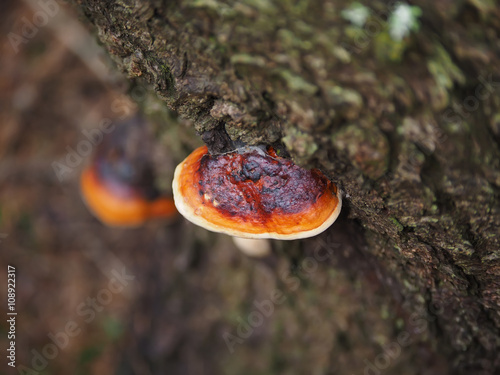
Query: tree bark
409 130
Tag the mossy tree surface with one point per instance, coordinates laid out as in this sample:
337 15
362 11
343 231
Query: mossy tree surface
410 129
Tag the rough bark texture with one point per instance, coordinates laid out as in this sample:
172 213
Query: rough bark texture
409 130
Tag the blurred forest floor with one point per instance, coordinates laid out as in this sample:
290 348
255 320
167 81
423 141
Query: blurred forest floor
188 288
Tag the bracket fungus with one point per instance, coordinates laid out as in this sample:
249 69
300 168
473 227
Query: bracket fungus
254 193
117 203
118 185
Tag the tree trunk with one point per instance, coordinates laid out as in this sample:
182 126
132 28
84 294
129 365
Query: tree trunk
409 130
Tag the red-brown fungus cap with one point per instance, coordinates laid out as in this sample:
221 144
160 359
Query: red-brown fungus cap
117 204
254 194
118 185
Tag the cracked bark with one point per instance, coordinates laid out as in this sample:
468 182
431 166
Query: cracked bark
409 131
